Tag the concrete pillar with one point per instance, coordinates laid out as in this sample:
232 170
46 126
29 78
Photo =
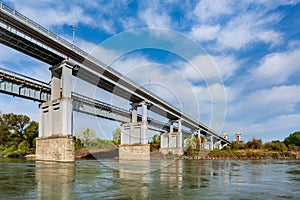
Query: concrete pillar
41 133
199 138
211 143
144 111
171 127
55 85
144 130
66 81
179 136
134 114
164 140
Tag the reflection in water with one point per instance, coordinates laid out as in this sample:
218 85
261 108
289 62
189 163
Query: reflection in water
55 180
182 179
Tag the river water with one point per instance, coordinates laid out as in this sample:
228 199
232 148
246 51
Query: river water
181 179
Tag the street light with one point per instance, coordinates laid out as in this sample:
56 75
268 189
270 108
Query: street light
73 30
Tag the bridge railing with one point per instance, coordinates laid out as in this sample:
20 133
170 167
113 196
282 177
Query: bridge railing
40 28
103 104
22 77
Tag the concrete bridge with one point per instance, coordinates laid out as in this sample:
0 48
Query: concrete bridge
55 140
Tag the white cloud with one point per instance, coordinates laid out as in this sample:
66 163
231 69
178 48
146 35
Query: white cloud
265 103
200 68
207 9
276 68
250 27
204 32
274 128
241 25
54 15
153 18
271 37
210 68
227 65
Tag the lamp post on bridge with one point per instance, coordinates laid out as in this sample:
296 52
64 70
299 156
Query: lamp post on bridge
73 31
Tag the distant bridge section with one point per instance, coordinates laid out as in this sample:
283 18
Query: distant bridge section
19 85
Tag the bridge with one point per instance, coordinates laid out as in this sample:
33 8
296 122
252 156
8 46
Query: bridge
67 60
16 84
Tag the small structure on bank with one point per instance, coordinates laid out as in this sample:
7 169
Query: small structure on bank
238 136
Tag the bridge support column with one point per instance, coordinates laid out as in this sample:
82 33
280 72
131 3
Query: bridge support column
134 136
211 146
199 139
55 141
171 142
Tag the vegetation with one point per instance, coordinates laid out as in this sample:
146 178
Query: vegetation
253 149
117 136
155 142
17 135
293 140
86 139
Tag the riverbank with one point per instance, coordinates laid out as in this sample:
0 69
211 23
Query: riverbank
204 155
243 155
86 154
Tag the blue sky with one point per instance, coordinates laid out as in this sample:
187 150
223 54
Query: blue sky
254 46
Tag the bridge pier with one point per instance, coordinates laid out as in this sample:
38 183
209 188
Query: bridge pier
134 136
55 141
171 142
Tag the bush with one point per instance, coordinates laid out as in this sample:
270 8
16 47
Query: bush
10 151
238 145
275 146
227 148
23 148
293 147
254 144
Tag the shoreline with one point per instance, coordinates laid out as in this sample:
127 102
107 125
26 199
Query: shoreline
205 155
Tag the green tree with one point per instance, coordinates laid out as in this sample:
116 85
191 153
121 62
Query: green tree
23 148
117 136
87 137
191 142
17 134
293 139
156 139
31 132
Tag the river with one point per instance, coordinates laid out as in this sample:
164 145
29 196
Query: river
181 179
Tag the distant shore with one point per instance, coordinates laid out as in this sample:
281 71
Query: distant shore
205 155
243 155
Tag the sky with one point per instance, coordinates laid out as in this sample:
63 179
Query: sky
233 65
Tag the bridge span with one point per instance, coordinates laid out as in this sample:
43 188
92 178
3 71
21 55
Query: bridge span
16 84
67 60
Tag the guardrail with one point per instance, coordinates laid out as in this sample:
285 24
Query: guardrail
15 75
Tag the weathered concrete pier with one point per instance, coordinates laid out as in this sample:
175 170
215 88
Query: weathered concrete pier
55 141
